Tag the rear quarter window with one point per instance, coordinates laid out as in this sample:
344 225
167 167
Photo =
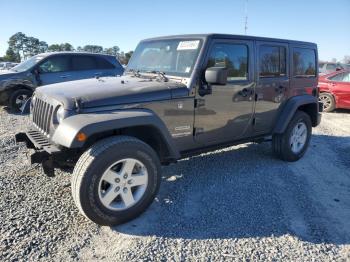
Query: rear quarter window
81 62
304 62
102 63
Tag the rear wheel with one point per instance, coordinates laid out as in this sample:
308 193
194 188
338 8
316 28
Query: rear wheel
116 180
328 102
18 99
293 143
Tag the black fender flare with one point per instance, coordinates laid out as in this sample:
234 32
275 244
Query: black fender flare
95 123
291 106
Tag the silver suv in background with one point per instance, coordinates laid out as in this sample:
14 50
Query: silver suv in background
7 65
327 68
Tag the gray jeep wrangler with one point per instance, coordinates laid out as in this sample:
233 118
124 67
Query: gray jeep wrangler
179 96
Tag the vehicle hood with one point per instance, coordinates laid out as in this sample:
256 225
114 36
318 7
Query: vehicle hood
108 91
11 78
4 74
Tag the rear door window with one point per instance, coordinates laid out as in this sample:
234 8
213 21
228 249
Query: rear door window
304 62
272 61
81 62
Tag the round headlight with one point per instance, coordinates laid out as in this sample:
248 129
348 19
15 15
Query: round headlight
32 103
60 114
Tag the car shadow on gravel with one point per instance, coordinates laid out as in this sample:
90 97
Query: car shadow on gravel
341 110
14 112
240 192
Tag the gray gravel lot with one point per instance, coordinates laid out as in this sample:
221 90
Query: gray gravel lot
239 203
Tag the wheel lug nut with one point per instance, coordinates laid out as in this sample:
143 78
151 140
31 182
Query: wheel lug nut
130 182
125 190
117 180
125 176
117 189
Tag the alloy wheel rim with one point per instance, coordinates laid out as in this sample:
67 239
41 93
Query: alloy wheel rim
20 100
123 184
298 137
326 101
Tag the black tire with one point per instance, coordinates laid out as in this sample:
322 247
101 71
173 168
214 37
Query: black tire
90 168
281 142
328 101
18 94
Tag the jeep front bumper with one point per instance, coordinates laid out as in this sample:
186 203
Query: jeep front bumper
45 152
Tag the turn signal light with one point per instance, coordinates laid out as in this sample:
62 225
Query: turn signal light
81 137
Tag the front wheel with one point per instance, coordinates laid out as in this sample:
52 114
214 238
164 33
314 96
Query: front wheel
116 180
18 99
293 143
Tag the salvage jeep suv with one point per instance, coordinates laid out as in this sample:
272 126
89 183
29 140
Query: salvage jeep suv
179 96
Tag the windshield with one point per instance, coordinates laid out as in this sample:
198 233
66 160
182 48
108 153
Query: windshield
175 57
27 64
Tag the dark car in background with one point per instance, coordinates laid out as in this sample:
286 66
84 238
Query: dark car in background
335 90
18 83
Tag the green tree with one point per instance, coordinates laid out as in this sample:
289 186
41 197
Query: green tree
60 47
93 48
112 50
43 46
12 56
54 48
32 47
26 46
66 47
125 57
128 56
17 43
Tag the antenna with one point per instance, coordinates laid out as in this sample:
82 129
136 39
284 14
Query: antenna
246 17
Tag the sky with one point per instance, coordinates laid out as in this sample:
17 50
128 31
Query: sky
125 23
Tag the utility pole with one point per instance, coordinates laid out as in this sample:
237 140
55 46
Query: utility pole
246 17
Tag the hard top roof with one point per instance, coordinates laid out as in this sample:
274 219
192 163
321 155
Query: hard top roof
71 53
228 36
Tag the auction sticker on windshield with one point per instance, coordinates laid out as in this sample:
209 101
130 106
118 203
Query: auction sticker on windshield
188 45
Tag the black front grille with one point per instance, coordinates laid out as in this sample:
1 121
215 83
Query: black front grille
42 115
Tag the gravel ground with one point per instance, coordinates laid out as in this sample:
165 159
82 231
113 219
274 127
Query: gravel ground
239 203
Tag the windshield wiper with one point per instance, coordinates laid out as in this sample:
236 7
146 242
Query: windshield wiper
135 72
160 74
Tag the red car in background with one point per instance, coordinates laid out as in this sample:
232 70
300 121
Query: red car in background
335 90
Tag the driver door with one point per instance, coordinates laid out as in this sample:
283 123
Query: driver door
226 114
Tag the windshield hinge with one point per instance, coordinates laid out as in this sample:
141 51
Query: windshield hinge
78 104
199 102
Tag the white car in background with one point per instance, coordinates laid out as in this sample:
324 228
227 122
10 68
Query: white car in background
7 65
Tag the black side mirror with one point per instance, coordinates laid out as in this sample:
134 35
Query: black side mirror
216 75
